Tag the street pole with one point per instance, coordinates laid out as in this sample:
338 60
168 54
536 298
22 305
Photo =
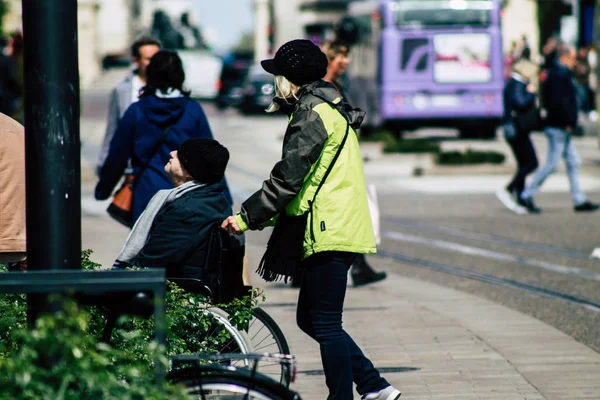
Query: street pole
597 71
52 145
261 30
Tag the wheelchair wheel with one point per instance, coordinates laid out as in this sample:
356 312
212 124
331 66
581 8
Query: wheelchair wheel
266 337
237 341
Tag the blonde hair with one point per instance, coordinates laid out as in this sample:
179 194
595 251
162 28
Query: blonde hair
333 48
284 89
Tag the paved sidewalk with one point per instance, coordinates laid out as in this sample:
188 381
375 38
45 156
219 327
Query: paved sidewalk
450 345
434 343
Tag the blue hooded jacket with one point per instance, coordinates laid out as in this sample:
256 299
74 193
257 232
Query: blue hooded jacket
141 127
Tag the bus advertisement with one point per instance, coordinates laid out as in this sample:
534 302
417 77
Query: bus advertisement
427 63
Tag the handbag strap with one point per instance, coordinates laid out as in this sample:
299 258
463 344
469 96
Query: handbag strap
330 168
153 153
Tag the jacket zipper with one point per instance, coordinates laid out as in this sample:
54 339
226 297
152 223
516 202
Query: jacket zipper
312 230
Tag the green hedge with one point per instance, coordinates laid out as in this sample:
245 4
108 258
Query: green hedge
83 368
412 146
469 157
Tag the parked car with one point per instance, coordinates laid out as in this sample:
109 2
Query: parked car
259 90
202 69
233 74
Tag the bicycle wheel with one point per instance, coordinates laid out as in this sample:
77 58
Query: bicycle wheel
266 337
235 387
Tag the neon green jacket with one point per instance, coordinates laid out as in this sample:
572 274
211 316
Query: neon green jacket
340 218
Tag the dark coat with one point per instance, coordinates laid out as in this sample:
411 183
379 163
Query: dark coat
179 234
137 133
559 98
516 97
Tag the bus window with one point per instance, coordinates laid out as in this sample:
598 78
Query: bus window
427 13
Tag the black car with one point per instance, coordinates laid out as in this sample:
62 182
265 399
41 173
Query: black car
233 74
258 91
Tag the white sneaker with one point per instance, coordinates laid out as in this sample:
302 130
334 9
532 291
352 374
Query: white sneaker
509 203
389 393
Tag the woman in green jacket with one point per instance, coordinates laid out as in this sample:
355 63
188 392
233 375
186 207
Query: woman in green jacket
320 138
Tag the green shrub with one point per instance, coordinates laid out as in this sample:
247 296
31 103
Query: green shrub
411 145
376 136
86 369
469 157
59 359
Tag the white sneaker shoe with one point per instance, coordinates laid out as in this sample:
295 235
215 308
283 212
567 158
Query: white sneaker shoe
509 203
389 393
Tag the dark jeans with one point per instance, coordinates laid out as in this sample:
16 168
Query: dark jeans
526 161
319 315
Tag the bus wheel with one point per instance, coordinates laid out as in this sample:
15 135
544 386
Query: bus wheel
485 132
469 133
488 132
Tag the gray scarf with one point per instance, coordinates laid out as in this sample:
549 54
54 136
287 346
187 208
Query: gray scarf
139 234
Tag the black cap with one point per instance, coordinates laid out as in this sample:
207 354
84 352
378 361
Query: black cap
204 159
300 61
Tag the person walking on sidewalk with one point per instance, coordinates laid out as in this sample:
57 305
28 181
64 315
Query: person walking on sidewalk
559 97
161 120
338 56
320 177
520 118
127 91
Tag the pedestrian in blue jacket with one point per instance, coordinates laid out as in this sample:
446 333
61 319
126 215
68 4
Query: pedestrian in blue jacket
164 115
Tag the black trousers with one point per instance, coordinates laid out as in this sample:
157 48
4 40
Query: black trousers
526 161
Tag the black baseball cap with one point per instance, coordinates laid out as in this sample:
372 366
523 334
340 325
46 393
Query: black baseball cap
300 61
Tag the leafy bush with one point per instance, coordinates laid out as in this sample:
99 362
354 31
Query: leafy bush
376 136
58 359
412 145
469 157
82 368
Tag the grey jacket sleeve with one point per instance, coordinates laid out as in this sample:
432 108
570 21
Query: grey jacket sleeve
114 115
302 145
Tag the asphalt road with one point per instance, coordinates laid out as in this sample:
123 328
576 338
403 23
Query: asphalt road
448 229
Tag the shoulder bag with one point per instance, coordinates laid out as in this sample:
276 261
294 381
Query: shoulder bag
120 209
285 248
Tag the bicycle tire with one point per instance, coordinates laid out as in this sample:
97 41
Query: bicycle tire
235 387
267 337
240 342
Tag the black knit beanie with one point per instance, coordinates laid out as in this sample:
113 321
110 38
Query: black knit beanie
300 61
204 159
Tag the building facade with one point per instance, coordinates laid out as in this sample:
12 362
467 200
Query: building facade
89 35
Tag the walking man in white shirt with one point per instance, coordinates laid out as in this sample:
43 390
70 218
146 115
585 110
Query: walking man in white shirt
127 91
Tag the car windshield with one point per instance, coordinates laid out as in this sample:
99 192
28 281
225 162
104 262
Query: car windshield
258 73
422 13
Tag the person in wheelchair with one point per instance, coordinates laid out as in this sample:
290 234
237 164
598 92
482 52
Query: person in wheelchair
180 228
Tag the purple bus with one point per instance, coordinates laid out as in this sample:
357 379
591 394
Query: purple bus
427 63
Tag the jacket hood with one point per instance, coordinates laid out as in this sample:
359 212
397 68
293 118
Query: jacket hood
328 93
162 111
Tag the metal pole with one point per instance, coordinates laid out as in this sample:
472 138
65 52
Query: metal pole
52 145
261 29
575 8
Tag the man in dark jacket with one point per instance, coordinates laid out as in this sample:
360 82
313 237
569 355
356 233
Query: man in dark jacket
560 100
175 229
